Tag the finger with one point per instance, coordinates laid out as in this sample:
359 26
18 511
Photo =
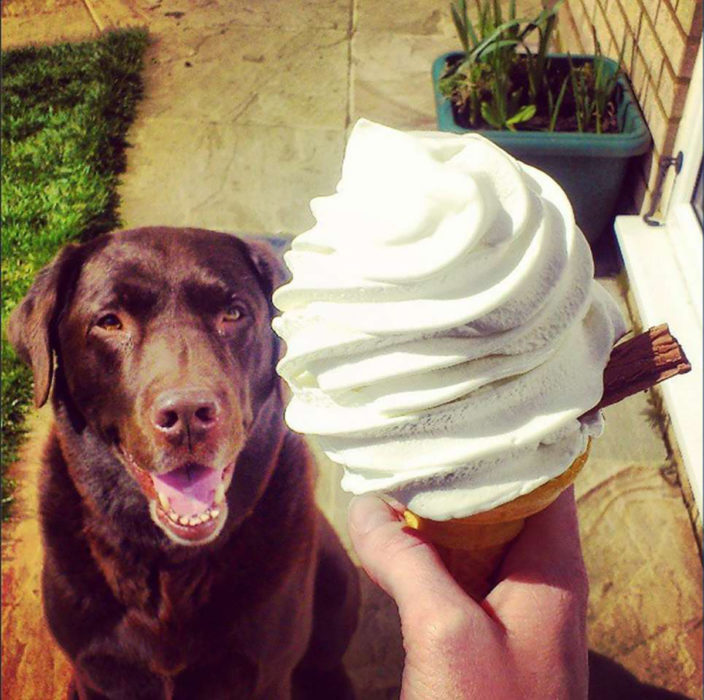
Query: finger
548 549
397 559
542 598
546 560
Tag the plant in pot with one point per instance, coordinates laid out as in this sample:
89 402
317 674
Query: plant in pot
575 117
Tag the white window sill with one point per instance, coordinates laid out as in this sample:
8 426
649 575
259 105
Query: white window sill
666 282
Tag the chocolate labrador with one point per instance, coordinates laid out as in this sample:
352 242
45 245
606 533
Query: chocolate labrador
184 555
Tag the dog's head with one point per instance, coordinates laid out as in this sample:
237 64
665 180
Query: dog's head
158 343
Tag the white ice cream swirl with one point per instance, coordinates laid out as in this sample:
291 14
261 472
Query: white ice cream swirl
445 337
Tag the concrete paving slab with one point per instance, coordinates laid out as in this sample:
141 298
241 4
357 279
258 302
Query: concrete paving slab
244 123
282 14
425 18
632 433
406 17
109 15
25 23
645 578
232 74
228 177
41 22
391 80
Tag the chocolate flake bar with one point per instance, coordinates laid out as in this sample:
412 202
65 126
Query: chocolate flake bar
641 362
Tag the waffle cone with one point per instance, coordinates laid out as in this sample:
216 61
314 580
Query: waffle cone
474 547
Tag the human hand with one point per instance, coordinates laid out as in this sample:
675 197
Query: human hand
527 639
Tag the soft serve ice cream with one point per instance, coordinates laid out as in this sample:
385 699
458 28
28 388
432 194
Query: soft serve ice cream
445 338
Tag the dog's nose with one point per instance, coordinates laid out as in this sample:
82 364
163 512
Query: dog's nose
185 413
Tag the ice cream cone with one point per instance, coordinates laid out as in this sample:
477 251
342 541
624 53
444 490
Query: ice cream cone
474 547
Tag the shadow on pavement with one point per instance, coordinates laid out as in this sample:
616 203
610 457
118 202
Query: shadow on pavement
609 680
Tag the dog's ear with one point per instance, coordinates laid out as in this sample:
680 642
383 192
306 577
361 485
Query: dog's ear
30 328
268 264
272 273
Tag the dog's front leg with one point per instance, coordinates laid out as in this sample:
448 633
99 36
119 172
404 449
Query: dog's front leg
101 676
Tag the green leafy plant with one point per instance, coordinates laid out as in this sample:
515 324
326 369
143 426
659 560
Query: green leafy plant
593 84
505 78
65 113
482 79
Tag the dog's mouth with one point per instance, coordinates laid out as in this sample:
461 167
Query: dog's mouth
188 503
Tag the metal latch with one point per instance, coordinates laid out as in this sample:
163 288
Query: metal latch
665 163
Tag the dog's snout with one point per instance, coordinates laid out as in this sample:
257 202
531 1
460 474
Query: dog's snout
190 412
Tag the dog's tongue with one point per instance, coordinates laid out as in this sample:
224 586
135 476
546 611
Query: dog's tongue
190 490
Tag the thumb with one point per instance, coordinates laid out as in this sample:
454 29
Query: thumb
397 559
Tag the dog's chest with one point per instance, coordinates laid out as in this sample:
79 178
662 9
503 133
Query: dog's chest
174 615
169 610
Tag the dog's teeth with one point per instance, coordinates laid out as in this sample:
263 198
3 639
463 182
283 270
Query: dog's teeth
214 512
195 520
164 502
219 494
183 520
173 515
204 517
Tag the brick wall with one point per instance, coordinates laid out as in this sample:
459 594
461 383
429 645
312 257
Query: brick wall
660 39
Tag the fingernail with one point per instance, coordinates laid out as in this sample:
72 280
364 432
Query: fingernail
366 513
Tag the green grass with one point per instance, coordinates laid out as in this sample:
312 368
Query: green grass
65 113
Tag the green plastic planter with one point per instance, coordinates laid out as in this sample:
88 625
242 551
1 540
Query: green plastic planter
591 168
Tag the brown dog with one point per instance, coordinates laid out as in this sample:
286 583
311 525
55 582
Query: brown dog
184 554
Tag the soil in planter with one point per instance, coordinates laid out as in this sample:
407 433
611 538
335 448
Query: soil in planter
556 72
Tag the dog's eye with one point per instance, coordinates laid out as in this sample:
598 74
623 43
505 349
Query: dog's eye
229 319
109 322
231 315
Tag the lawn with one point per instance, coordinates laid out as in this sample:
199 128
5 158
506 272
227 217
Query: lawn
65 113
